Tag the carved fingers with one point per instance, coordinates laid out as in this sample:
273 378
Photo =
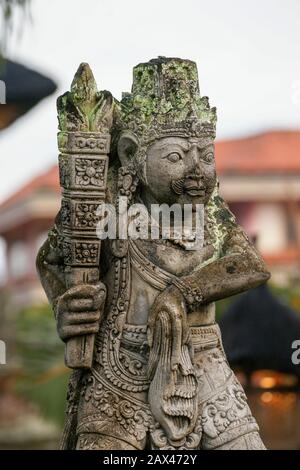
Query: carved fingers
79 310
171 304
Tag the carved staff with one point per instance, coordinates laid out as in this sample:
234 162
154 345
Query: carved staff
85 119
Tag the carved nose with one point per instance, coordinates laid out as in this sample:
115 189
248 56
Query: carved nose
198 171
194 169
195 175
194 162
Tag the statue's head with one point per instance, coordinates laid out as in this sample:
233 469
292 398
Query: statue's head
168 131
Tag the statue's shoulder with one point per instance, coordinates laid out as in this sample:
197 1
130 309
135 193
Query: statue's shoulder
222 214
231 236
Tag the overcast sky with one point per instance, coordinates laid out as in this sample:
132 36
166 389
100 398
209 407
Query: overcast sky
247 51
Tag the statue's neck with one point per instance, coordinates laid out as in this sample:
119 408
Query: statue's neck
188 218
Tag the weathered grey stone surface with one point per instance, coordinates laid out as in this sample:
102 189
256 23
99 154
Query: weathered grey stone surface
138 316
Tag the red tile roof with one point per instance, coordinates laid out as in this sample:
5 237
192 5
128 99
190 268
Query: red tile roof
47 180
283 257
276 152
273 152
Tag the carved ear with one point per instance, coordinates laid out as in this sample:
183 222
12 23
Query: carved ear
127 147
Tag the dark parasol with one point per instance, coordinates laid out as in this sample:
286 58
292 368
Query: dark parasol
258 331
24 89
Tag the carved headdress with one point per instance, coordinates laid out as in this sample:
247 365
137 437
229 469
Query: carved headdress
165 101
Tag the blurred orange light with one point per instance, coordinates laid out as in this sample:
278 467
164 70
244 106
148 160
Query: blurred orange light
282 401
269 379
266 397
267 382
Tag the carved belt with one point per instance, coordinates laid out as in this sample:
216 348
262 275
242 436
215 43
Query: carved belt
204 337
134 339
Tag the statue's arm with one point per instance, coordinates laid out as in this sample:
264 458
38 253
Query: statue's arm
239 268
78 309
50 266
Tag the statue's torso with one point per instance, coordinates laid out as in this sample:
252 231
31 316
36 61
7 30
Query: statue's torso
173 260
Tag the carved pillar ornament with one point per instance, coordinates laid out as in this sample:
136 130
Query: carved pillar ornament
156 375
85 119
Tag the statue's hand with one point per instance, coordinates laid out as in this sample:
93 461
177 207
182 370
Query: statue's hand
79 309
172 302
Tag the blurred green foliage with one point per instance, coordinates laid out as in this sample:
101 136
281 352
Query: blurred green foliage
289 295
43 378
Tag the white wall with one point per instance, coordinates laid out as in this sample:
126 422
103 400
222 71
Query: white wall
269 223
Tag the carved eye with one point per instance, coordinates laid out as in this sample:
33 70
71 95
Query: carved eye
208 157
174 157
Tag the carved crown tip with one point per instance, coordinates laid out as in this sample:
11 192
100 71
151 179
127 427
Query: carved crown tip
84 67
84 78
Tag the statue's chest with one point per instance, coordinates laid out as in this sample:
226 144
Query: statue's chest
174 259
152 266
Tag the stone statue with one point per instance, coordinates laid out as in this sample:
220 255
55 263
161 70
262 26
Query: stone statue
138 315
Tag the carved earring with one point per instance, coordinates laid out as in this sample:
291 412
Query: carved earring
127 181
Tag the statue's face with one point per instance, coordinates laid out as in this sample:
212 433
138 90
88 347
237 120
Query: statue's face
181 170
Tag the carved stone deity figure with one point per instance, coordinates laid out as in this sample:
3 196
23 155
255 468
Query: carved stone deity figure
143 308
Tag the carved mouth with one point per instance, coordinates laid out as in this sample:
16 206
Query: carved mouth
195 192
194 188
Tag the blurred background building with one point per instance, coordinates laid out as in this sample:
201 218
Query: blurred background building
25 218
259 178
247 58
21 423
